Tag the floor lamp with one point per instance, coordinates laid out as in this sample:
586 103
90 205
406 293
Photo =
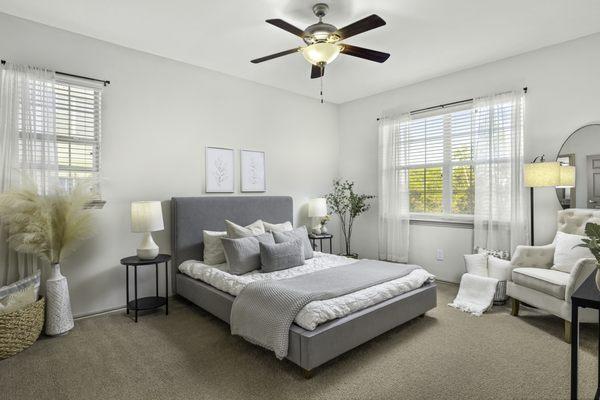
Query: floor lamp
540 173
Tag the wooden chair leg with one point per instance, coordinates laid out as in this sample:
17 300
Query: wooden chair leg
567 332
515 307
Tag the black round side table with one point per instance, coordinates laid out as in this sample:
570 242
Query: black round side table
152 302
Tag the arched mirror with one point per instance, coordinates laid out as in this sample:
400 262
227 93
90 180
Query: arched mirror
582 150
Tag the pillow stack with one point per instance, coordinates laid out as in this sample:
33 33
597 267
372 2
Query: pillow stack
260 245
19 294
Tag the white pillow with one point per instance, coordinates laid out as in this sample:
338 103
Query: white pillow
19 299
284 227
499 269
235 231
213 248
566 254
476 264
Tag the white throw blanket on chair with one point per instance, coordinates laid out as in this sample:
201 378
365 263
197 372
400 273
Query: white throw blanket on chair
476 294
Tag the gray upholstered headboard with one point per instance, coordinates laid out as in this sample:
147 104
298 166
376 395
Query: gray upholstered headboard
192 215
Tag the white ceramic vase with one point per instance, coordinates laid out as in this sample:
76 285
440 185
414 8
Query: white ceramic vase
59 319
598 278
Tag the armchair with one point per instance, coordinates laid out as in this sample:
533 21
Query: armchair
534 283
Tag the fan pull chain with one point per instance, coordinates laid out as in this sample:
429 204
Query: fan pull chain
321 67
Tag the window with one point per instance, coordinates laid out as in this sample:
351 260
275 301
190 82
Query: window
77 132
437 150
60 123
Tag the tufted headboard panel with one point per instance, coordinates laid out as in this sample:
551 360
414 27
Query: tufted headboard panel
573 220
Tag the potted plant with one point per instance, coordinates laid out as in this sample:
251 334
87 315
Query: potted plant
344 202
592 242
50 227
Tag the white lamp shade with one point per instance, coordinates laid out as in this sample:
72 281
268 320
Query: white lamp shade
567 176
317 207
146 216
542 174
322 52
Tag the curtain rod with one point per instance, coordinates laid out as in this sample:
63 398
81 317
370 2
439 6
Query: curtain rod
104 82
454 103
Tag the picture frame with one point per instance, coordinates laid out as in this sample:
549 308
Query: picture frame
253 171
219 170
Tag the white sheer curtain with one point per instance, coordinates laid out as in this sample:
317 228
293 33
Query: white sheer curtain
393 199
28 146
500 216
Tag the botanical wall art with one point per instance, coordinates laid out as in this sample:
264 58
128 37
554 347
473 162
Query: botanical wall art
219 170
253 171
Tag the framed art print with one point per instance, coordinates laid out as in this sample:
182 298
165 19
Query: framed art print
219 170
253 171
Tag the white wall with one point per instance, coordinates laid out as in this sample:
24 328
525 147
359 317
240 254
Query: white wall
564 94
158 117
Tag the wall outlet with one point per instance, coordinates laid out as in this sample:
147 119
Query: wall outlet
439 254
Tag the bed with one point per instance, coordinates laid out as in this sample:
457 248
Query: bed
307 348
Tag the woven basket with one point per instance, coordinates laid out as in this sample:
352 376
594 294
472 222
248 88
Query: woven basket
20 329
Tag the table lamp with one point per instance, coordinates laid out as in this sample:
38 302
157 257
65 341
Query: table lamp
317 208
146 217
540 174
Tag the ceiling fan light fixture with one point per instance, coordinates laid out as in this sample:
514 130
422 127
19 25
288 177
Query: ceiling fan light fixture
319 53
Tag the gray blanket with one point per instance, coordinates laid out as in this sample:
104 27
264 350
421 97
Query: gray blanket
264 311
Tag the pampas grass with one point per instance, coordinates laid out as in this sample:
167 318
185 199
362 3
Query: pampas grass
49 226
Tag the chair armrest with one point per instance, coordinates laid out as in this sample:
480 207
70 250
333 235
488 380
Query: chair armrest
582 269
533 256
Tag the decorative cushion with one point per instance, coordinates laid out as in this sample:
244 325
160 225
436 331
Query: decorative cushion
543 280
19 294
21 285
566 254
499 268
213 248
284 227
243 254
476 264
278 256
298 233
501 254
235 231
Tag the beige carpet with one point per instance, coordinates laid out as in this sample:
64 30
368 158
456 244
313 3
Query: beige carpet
191 355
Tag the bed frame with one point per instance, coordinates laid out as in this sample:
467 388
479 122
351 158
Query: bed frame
308 349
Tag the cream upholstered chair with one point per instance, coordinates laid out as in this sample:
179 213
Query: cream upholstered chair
534 283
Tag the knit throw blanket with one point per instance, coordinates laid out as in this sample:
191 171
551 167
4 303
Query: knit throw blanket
475 295
264 311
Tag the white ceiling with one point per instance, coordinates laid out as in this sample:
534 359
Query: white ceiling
426 38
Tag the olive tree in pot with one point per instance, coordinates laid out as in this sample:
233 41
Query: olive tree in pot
344 202
50 227
592 242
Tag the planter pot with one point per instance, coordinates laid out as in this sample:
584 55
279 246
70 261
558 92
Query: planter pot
598 278
59 319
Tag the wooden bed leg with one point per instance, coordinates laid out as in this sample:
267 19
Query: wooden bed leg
307 373
567 332
515 307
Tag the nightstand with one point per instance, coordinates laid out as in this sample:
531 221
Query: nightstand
323 236
152 302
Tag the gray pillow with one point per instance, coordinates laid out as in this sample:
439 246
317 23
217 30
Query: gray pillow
298 233
243 254
275 257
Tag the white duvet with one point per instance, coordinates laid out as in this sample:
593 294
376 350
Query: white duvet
316 312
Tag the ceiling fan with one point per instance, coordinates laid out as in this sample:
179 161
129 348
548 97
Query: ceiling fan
323 41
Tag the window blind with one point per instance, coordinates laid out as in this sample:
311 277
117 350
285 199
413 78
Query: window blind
78 128
437 150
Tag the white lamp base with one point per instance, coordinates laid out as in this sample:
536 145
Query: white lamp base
147 250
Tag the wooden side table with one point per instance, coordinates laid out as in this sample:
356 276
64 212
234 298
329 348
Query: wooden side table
323 236
586 295
146 303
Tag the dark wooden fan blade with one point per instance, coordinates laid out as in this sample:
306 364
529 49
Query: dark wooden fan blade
363 25
315 71
280 54
286 26
367 54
